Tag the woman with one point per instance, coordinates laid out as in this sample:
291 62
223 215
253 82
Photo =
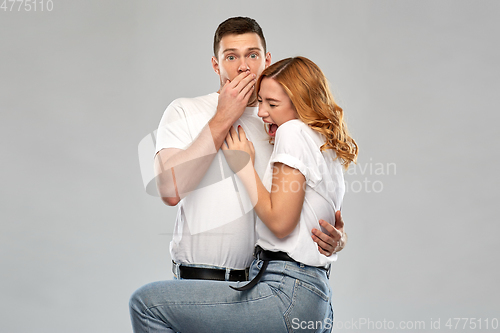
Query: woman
289 289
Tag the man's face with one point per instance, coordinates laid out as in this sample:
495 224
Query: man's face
240 53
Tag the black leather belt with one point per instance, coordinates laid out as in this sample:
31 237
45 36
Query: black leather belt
265 256
200 273
262 254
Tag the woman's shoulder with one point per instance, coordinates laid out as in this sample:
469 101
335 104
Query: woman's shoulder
292 129
298 131
292 124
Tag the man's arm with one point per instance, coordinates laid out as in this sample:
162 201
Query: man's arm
179 171
335 241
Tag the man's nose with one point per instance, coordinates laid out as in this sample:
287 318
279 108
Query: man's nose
243 65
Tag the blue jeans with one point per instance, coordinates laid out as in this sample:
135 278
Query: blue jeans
290 297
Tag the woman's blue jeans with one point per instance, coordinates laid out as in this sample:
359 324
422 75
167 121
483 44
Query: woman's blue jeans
290 297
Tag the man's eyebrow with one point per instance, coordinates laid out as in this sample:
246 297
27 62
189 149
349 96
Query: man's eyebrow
255 49
247 50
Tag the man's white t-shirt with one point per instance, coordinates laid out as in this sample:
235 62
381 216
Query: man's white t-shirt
298 146
215 223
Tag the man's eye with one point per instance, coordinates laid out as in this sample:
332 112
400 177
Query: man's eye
230 57
259 100
253 56
272 105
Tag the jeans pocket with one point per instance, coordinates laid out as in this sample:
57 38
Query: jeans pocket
314 289
309 311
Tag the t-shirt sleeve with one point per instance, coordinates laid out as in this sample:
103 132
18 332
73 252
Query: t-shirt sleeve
293 147
173 130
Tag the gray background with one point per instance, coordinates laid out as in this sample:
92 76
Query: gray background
83 84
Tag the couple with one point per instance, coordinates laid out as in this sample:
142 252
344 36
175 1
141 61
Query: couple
215 231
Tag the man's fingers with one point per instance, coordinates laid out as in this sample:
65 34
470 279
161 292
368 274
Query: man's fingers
328 242
246 85
330 228
240 78
334 233
246 81
323 252
322 245
248 90
339 222
323 238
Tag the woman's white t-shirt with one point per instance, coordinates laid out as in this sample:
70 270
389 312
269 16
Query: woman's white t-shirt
298 146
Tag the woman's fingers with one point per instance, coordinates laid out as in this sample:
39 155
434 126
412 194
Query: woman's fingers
252 151
242 134
228 143
232 135
252 148
225 144
237 139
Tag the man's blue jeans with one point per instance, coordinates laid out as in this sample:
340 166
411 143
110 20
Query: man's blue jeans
291 297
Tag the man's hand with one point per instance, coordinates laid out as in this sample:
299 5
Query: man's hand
336 238
179 171
234 97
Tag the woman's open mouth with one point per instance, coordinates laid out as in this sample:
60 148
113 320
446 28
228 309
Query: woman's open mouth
271 129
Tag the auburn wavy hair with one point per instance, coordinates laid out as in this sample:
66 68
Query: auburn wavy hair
307 87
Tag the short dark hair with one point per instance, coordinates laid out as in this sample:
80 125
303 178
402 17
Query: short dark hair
237 26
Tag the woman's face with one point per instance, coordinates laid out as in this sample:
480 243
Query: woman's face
275 107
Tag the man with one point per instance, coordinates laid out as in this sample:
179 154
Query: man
214 232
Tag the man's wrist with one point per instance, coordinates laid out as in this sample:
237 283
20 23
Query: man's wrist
341 243
219 127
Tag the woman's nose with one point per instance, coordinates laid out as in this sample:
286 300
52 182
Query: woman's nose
262 111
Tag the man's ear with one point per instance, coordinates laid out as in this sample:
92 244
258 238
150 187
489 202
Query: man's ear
215 65
268 59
